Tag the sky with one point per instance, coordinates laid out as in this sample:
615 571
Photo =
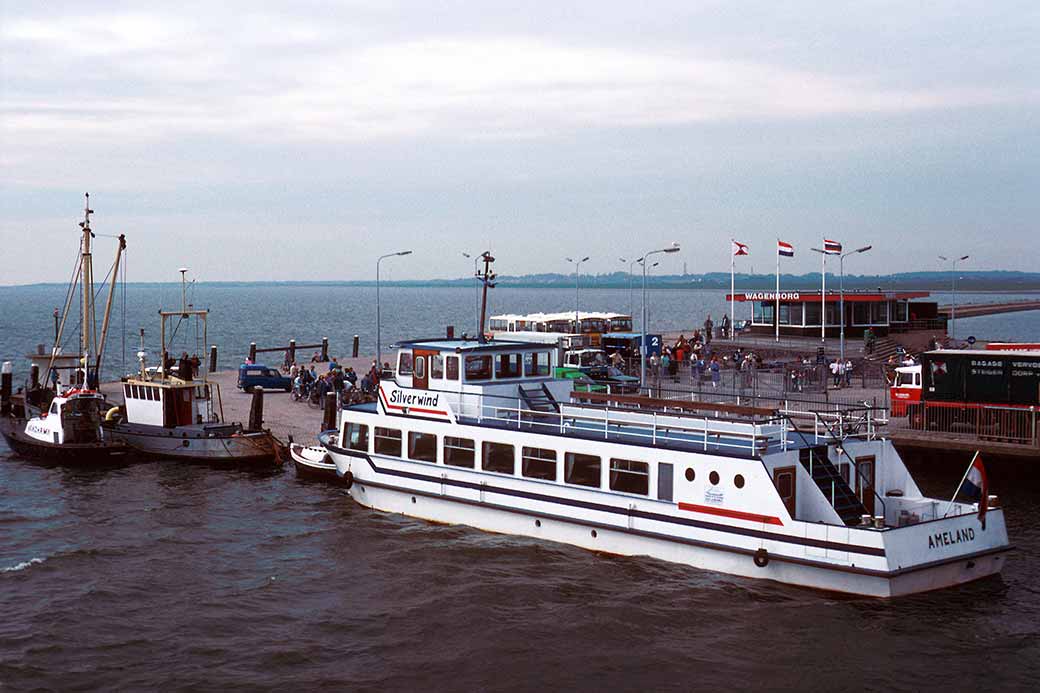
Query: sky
300 141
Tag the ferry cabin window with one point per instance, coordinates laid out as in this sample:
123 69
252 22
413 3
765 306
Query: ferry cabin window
582 470
436 366
478 367
536 363
420 367
422 446
459 452
404 363
356 436
538 463
507 366
629 476
451 367
388 441
498 457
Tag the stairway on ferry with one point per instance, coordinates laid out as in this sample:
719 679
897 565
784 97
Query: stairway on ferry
827 477
539 399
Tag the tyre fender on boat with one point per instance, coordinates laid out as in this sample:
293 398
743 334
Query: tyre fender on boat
761 558
348 478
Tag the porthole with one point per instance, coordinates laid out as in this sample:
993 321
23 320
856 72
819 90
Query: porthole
714 478
413 499
690 475
537 523
594 535
738 481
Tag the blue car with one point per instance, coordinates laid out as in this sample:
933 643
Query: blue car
257 375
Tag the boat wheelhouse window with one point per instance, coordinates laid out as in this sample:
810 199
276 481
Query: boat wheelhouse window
538 463
422 446
582 470
629 476
451 368
507 366
404 363
536 363
459 452
126 391
436 366
498 457
54 408
356 436
388 441
420 367
478 367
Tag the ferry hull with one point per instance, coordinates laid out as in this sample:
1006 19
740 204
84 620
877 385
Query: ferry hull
380 492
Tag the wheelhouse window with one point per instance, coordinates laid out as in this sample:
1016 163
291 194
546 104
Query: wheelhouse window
404 363
451 368
422 446
536 364
459 452
420 367
436 366
629 476
507 366
498 457
478 367
582 470
355 436
388 441
538 463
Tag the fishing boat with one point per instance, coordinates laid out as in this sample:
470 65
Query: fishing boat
314 461
168 412
62 423
480 433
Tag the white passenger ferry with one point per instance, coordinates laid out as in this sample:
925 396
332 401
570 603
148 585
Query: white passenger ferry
480 434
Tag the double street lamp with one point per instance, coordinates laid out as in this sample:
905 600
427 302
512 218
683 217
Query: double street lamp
476 273
841 294
577 264
379 331
674 248
953 308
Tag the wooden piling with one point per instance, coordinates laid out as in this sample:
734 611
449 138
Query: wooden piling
328 419
213 358
252 352
354 351
34 376
292 351
324 349
5 389
256 411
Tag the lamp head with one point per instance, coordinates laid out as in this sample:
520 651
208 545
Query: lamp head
963 258
585 259
405 252
864 249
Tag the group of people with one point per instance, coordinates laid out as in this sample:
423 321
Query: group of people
344 383
841 372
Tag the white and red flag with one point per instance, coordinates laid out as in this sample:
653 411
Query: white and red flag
831 247
784 249
976 486
739 248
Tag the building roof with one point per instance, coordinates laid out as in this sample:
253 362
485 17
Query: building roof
800 296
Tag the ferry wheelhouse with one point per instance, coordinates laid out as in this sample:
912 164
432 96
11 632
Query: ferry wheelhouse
480 434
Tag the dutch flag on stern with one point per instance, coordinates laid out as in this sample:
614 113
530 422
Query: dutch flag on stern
976 486
831 247
784 249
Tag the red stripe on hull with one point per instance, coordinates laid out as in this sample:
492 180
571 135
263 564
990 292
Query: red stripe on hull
735 514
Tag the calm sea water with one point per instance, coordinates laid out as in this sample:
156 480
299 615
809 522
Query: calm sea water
186 577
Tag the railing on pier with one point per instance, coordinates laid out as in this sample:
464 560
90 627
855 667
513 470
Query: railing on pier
1015 425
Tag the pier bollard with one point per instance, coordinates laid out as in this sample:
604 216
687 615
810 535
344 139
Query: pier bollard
354 351
256 411
252 352
328 419
324 348
5 389
34 376
450 332
292 351
213 358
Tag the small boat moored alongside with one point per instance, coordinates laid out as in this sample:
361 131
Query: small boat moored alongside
314 461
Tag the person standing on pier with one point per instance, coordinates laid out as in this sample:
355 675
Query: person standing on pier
709 326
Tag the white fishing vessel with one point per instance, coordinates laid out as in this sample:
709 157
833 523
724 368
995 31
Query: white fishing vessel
480 434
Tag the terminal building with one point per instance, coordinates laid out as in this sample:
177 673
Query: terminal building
800 312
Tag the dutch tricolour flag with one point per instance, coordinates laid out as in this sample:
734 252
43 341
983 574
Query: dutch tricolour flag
976 486
784 249
831 247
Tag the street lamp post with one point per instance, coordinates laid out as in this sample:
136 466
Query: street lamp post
674 248
631 270
379 331
953 308
577 264
841 296
476 272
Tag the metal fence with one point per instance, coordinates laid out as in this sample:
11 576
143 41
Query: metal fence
980 421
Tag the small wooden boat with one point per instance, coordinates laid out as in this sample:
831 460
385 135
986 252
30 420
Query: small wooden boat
313 461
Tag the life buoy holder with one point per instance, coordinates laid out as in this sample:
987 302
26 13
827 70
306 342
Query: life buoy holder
761 558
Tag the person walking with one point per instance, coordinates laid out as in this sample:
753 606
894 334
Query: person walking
848 373
716 371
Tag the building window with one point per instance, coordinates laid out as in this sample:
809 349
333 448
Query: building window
388 441
451 367
404 363
498 457
507 366
763 313
536 363
478 367
459 452
900 311
538 463
422 446
860 313
629 476
356 436
785 314
436 366
796 313
582 470
812 313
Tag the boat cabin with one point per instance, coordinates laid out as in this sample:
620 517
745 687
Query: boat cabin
71 418
169 402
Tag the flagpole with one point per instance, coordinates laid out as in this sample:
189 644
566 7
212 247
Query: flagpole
958 489
823 294
776 316
732 297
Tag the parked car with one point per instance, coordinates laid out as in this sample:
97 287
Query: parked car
257 375
582 382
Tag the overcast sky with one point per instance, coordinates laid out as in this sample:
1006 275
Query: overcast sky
249 143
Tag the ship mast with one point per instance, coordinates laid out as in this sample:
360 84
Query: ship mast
87 278
487 278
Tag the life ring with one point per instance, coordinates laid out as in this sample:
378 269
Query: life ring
111 414
761 558
348 478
